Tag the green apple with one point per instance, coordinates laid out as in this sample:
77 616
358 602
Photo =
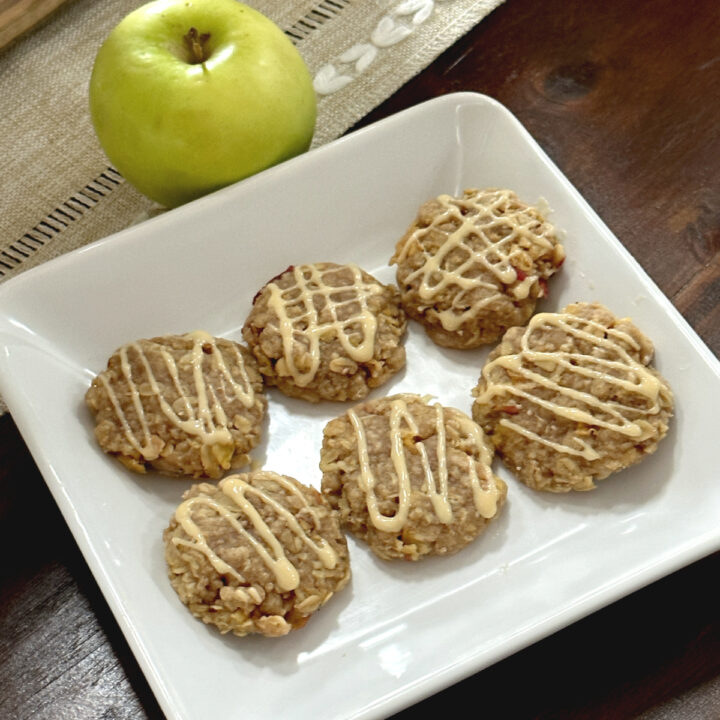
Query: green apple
187 96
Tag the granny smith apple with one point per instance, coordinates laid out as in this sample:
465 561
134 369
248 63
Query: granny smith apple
187 96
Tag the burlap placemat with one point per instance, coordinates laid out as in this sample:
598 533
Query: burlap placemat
59 191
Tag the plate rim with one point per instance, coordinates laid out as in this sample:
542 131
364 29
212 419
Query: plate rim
408 694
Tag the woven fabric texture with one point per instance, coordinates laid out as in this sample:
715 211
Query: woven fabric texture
59 191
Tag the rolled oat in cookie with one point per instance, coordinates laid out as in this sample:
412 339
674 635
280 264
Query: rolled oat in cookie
185 405
409 477
572 398
326 332
470 267
257 553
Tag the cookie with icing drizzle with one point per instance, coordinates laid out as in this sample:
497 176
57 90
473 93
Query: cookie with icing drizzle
326 332
257 553
471 267
572 398
410 477
184 405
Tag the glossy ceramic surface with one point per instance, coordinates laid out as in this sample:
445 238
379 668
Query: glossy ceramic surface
399 632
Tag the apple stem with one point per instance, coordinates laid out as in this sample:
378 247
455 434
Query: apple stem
196 44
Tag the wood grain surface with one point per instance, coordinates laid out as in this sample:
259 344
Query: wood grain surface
20 16
625 97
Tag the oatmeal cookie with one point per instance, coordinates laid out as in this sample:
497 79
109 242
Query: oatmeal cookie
257 553
571 398
326 332
187 405
470 267
409 477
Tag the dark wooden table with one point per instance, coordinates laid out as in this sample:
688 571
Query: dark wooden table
625 97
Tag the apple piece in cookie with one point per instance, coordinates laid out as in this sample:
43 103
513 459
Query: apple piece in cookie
188 97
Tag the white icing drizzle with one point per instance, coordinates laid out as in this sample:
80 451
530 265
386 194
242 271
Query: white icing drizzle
262 540
300 324
485 492
618 369
485 489
479 220
209 421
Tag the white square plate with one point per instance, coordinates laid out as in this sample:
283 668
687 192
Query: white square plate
399 632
